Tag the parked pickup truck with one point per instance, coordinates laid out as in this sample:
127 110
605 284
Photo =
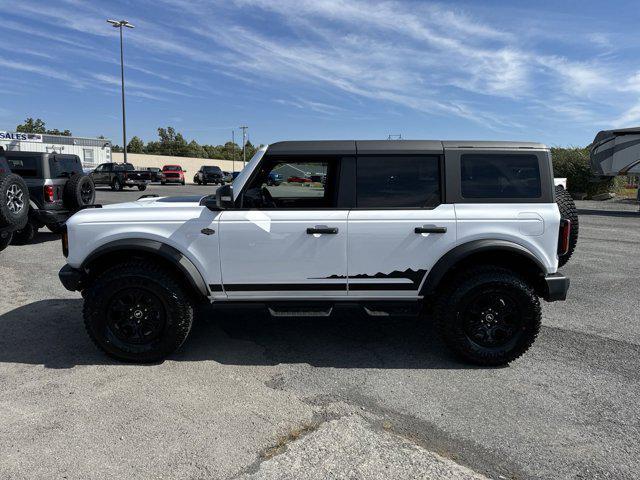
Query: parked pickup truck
120 175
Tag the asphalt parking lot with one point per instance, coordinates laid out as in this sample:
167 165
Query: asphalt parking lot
249 396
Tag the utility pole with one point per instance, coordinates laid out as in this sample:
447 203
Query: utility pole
233 149
119 24
244 144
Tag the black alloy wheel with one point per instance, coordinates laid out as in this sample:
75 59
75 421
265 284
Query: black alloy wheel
136 316
491 319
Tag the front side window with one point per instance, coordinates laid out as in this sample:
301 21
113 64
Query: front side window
398 182
500 176
293 183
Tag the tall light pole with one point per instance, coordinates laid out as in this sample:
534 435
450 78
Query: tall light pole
244 144
119 24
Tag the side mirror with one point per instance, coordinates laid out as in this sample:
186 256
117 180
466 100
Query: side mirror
224 197
211 202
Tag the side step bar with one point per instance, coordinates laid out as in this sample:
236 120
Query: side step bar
283 311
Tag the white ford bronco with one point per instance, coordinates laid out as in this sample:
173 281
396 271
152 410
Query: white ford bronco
468 233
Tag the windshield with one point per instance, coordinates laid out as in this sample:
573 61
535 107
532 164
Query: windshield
171 167
242 177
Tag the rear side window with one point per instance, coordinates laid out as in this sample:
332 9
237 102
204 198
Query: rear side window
64 167
27 166
500 176
398 182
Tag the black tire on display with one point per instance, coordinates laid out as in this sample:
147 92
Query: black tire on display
488 315
568 210
14 201
137 312
5 239
25 235
79 191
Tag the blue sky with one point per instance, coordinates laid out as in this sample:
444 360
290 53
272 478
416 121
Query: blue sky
555 72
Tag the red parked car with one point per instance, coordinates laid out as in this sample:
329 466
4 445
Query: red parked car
173 174
298 180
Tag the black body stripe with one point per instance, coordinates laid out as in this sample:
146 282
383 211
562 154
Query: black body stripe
382 286
270 287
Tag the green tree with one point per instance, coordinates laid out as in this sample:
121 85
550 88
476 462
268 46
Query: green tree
32 126
38 126
136 145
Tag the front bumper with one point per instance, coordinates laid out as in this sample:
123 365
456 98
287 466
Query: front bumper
557 286
71 278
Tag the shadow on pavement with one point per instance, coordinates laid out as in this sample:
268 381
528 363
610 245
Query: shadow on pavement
51 333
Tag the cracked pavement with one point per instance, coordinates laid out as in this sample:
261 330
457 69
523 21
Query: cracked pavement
254 397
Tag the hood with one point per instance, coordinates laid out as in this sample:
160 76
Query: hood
159 202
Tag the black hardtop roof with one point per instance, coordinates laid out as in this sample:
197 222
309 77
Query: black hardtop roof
390 147
604 135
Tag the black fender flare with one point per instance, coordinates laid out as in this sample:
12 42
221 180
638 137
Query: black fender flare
459 253
155 247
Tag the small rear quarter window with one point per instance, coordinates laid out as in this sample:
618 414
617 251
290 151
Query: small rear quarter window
500 176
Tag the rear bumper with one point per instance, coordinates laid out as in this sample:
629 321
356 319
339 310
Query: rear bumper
71 278
52 216
557 286
135 183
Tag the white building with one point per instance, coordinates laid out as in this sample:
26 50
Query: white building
92 151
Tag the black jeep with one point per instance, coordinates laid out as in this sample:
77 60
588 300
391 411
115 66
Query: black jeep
57 189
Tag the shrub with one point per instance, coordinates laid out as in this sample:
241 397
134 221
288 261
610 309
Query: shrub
573 164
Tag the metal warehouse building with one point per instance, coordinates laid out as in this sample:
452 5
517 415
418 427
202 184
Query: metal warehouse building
92 151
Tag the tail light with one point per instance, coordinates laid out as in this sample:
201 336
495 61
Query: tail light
49 193
564 237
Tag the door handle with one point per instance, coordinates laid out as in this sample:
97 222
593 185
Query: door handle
208 231
322 229
430 229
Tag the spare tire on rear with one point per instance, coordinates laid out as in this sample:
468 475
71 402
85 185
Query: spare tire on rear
79 192
568 210
14 201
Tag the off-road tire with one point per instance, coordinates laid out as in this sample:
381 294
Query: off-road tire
10 186
142 188
5 239
79 191
25 235
568 210
178 310
56 227
478 282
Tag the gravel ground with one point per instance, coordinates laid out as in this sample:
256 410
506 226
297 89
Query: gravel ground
348 397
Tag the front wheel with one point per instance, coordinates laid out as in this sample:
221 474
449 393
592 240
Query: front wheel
182 183
137 312
488 316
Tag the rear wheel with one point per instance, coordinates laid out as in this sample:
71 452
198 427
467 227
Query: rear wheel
5 239
117 185
25 235
488 316
137 312
568 210
142 188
